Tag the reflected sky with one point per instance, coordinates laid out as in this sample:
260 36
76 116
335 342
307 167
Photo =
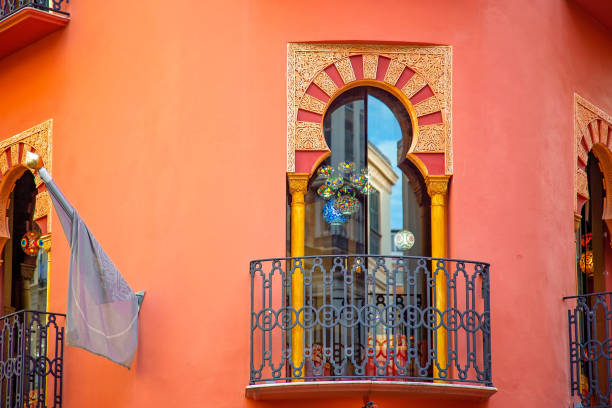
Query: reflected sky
384 132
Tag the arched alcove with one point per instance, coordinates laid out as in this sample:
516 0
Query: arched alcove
15 175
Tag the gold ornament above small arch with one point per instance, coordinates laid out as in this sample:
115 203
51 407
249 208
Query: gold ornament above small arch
419 76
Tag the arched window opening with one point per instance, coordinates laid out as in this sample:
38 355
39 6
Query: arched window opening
358 200
593 234
368 132
593 255
24 278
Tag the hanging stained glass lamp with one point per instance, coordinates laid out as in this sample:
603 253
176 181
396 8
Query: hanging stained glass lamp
586 263
30 243
404 240
331 213
342 187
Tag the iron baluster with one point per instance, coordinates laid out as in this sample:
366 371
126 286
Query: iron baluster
30 371
9 7
590 340
369 317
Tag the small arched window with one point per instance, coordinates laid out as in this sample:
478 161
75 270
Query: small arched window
592 233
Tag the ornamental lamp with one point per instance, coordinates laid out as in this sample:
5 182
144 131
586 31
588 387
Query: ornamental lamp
586 263
31 243
404 240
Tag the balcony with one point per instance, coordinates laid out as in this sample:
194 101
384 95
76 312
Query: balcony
367 325
590 349
31 359
23 22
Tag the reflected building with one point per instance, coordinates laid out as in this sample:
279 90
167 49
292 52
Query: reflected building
382 178
415 217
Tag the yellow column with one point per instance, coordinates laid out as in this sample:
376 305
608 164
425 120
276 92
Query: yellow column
437 188
298 184
47 247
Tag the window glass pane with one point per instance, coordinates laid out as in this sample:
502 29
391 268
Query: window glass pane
367 127
398 206
344 131
374 222
368 132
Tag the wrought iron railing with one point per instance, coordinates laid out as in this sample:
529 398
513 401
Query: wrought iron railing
8 7
31 359
364 317
590 348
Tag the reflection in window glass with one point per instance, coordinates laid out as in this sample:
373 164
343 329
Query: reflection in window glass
345 133
374 222
362 195
369 129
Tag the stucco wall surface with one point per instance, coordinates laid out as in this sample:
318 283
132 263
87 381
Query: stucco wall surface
170 140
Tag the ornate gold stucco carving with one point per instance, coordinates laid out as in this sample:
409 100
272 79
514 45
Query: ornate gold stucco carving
586 136
581 183
603 132
345 68
324 82
437 186
306 64
394 71
583 155
431 139
589 124
4 166
429 105
43 205
298 182
414 85
312 104
370 64
309 136
46 239
39 137
14 148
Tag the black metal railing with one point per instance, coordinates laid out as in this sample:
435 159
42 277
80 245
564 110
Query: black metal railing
590 348
8 7
370 317
31 359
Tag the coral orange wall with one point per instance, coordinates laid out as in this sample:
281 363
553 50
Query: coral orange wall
169 138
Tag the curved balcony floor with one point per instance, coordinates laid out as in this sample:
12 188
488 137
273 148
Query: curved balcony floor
369 389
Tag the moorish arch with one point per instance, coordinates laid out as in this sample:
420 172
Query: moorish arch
418 76
593 133
12 166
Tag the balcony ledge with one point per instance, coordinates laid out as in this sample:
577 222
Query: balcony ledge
369 389
27 26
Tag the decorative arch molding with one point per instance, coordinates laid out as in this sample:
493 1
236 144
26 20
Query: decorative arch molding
592 132
419 76
37 139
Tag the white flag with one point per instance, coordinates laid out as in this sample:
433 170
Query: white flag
102 315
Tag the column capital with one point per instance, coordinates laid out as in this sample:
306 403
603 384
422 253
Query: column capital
437 187
46 239
27 271
298 182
